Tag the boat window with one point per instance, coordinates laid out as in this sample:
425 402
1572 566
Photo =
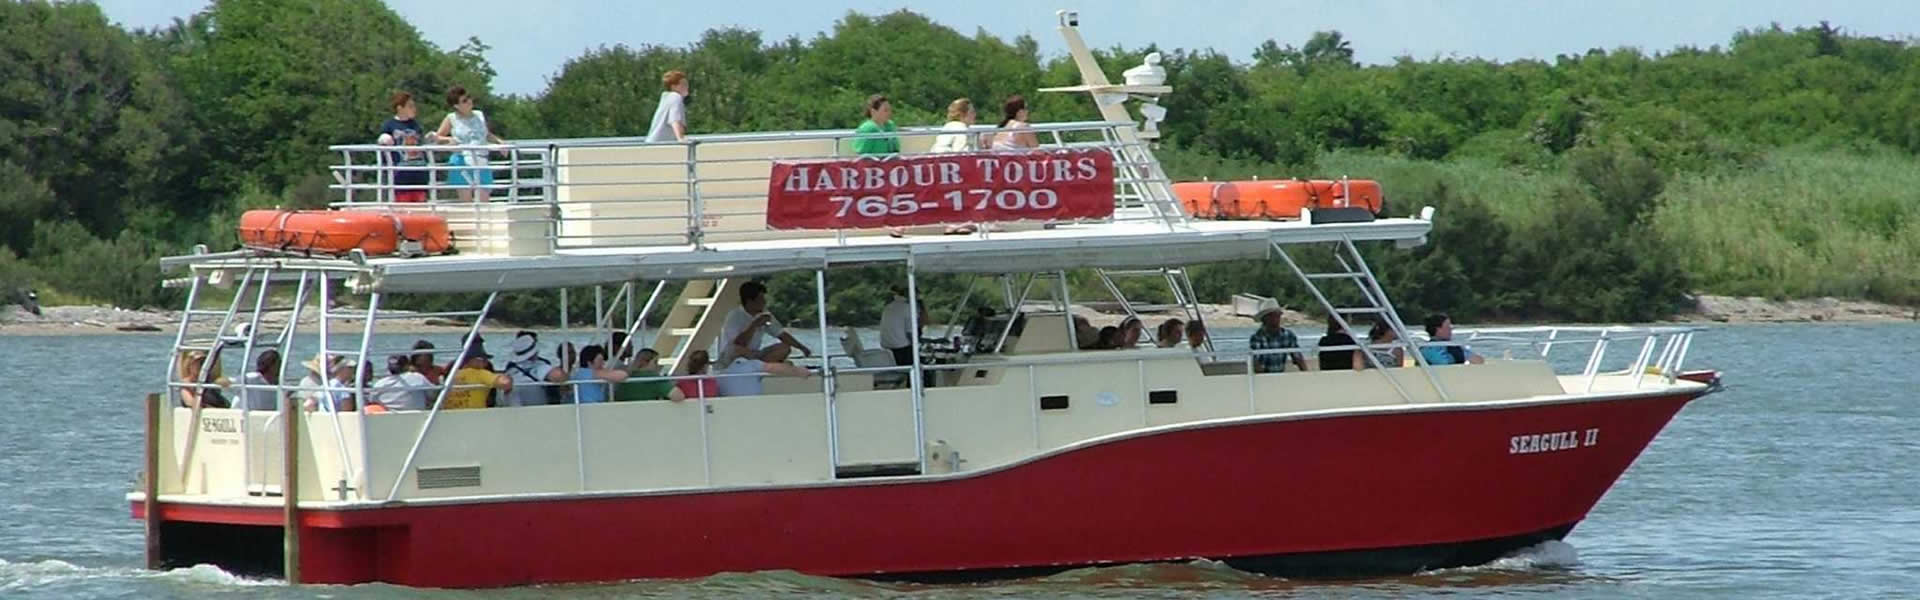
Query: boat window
1163 396
1053 403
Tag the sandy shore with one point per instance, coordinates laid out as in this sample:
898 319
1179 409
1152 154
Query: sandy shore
98 320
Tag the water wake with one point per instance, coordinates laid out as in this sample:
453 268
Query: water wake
29 575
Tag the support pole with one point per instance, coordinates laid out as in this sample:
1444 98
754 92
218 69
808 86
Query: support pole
290 490
152 482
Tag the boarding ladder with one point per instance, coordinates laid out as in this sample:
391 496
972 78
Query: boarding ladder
695 320
1353 267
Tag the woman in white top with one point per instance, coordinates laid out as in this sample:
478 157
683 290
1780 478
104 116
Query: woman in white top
1015 134
466 126
960 117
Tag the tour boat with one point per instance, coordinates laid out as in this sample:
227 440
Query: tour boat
1009 450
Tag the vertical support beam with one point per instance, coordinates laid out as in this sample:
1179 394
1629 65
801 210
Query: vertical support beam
290 489
151 481
564 323
829 384
1066 307
913 373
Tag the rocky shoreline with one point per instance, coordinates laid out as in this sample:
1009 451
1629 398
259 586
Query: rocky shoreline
99 320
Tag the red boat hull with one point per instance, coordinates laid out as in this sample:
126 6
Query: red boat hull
1295 495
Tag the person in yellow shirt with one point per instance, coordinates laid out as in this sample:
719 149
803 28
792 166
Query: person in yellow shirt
474 380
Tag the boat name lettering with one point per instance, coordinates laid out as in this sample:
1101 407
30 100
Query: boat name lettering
1552 442
219 425
944 188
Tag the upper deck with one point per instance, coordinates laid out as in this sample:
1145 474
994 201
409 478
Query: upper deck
587 211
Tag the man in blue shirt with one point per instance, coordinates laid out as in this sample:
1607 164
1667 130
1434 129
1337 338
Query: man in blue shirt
1272 336
1440 329
403 130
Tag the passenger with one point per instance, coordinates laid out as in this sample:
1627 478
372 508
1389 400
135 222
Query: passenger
1108 338
592 379
1273 336
879 120
1390 358
1440 329
741 335
403 130
402 388
474 381
960 117
1016 133
423 363
896 328
337 394
309 393
266 372
1197 336
670 117
1169 333
646 363
529 370
1085 334
1337 360
705 387
1130 331
618 348
192 367
744 382
467 126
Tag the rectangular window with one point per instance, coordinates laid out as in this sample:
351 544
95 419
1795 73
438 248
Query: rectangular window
1053 403
1163 397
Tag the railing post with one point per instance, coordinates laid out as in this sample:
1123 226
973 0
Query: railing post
913 372
696 210
554 217
151 483
828 385
290 490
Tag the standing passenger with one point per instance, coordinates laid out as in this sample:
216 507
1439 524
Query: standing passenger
879 121
896 328
403 130
467 126
670 117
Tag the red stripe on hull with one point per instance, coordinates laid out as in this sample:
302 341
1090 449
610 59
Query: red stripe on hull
1247 489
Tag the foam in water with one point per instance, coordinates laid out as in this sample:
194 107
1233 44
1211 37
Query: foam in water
42 573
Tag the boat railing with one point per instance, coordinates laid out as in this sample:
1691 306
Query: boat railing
1667 363
540 196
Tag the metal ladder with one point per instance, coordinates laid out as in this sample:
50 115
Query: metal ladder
1354 268
694 320
1147 183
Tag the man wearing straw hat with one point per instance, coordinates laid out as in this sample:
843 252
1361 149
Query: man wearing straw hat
1272 336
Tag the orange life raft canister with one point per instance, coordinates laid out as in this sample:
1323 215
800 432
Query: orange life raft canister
1275 198
339 232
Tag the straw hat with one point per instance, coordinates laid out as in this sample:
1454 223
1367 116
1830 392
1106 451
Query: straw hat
1266 306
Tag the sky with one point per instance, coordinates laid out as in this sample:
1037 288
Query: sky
529 44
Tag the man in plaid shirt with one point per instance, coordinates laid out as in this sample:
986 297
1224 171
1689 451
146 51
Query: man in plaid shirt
1272 336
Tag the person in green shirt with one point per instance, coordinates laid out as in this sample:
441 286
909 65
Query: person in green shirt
879 120
646 363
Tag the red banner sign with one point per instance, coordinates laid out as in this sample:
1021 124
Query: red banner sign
946 188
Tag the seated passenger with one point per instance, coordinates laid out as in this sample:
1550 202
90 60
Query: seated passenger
960 117
593 379
529 370
335 391
266 372
1085 334
194 369
1016 133
742 336
423 363
1440 329
1168 334
1130 331
1272 336
1107 339
474 381
646 363
747 373
1336 360
402 388
1382 333
704 387
1197 336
